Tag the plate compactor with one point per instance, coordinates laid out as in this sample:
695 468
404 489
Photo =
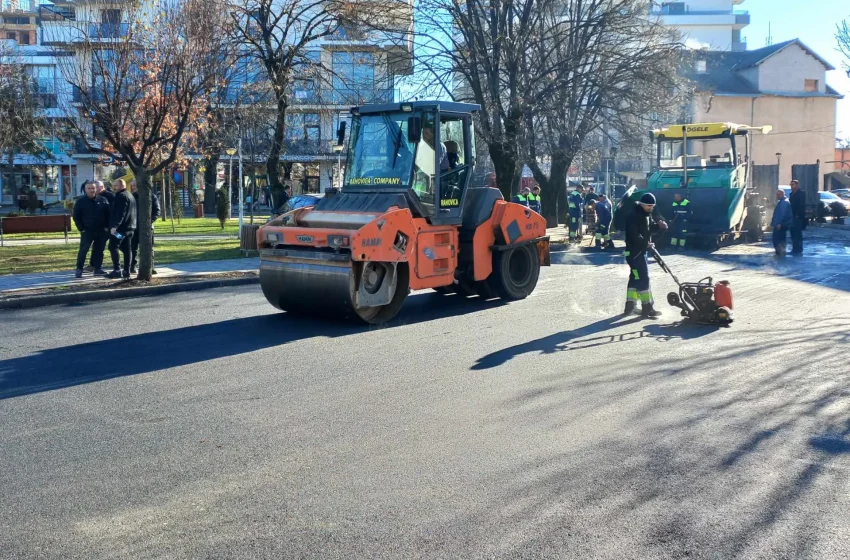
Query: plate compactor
405 219
704 302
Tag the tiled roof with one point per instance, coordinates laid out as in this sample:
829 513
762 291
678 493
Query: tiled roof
723 70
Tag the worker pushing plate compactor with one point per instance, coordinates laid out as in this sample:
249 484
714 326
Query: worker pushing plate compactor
405 219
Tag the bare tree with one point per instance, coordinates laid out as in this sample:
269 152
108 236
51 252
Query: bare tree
476 51
277 33
22 124
607 67
843 36
143 84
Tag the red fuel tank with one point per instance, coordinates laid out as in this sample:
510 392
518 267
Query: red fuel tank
723 294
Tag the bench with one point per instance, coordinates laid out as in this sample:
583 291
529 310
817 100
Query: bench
56 223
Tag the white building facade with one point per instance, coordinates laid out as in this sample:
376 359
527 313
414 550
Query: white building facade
706 24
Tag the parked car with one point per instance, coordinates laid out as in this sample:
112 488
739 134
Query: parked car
829 197
842 193
296 202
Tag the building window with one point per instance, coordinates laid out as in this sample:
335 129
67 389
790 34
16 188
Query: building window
702 67
303 127
44 84
354 76
812 85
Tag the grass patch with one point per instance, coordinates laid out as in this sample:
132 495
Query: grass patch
186 226
48 258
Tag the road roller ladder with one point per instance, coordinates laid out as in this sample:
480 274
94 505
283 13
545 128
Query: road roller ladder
405 219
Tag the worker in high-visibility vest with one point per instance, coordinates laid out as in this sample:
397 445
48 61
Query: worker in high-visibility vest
575 202
604 215
534 199
681 214
522 197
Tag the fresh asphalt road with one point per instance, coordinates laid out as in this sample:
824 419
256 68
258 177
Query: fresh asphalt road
208 425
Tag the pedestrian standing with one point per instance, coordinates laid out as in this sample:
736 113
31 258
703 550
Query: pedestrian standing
102 191
798 209
155 212
122 226
91 216
640 226
783 220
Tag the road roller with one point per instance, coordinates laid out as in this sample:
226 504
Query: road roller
404 219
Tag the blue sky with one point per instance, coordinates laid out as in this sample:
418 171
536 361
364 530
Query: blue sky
813 22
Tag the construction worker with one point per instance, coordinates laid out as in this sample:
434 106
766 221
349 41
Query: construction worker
534 199
639 229
522 197
681 214
604 216
575 202
590 216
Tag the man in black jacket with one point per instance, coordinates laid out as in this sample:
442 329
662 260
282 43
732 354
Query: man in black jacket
798 210
155 212
102 191
122 226
91 216
639 229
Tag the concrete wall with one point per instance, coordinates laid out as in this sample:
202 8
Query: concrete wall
718 37
789 69
803 128
842 154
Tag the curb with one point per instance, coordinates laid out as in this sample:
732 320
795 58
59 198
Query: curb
82 297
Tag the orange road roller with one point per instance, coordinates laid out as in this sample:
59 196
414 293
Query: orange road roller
405 219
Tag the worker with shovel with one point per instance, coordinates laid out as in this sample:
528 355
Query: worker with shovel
640 226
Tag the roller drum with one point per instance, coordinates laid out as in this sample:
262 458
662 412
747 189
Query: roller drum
322 287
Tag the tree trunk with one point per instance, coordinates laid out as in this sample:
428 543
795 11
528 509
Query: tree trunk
553 189
558 181
143 223
273 162
210 181
507 167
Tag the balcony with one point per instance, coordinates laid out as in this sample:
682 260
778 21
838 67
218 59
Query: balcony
299 147
677 16
347 97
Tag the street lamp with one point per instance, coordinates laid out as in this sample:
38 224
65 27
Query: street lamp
230 152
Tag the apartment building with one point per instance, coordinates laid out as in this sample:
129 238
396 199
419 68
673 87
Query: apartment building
356 66
711 24
53 176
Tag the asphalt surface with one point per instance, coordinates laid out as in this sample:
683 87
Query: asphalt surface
208 425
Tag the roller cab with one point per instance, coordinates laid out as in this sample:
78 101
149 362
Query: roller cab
405 219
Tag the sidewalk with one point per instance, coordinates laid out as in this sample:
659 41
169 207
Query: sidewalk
13 282
76 239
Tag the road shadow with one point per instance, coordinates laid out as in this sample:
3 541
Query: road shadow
583 338
757 429
56 368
